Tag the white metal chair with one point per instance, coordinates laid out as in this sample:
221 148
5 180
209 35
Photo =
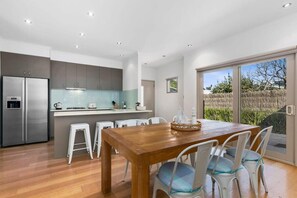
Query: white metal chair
156 120
182 180
223 170
253 160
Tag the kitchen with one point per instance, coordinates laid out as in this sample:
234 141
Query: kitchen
96 54
79 87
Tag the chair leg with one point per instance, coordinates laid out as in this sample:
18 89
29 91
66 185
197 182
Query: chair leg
71 146
126 170
155 189
253 169
95 139
70 149
254 181
88 142
238 186
223 182
263 178
98 148
213 184
99 143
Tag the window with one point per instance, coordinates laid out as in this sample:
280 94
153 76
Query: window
171 85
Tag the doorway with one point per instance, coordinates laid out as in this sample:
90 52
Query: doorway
148 87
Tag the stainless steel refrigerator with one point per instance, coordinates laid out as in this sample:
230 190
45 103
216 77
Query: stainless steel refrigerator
24 110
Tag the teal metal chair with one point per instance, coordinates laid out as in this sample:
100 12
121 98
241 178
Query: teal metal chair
177 179
253 159
222 170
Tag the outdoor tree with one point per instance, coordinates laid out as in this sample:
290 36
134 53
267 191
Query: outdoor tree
223 87
266 76
271 75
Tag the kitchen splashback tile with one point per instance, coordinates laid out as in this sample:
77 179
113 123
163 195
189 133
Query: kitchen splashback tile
77 98
130 97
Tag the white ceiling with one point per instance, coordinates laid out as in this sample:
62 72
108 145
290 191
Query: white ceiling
150 27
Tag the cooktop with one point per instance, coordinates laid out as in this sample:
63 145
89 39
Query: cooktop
76 108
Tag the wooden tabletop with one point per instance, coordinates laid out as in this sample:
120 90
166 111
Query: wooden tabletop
146 145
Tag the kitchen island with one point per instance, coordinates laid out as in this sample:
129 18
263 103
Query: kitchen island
61 120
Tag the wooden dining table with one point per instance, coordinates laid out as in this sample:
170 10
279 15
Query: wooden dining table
150 144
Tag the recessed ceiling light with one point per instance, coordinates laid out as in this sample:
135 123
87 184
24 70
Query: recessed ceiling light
28 21
76 46
164 56
287 5
190 45
90 13
119 43
81 34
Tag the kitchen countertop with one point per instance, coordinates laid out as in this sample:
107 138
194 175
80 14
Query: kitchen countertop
66 110
80 112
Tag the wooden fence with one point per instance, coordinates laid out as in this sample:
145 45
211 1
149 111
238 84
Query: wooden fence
271 100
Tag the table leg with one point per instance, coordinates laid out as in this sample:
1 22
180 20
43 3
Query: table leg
140 181
105 167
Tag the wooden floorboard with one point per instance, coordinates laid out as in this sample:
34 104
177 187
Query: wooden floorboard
32 171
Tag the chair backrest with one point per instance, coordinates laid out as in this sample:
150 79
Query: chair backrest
242 139
156 120
264 141
203 155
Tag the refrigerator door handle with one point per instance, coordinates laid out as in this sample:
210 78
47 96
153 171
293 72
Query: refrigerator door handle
25 110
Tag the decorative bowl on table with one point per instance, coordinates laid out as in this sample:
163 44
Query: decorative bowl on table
186 127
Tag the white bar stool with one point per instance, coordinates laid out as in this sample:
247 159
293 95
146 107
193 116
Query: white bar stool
71 144
97 139
142 122
123 123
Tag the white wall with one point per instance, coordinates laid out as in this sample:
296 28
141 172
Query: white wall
130 72
148 73
269 37
84 59
167 104
45 51
24 48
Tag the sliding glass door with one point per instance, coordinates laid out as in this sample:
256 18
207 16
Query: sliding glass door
258 93
266 91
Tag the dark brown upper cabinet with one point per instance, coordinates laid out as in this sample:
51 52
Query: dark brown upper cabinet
58 75
93 76
117 79
105 78
72 75
24 65
76 75
81 76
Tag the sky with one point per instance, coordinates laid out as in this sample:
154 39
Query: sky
214 77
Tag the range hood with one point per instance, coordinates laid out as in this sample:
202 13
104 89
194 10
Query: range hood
75 88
